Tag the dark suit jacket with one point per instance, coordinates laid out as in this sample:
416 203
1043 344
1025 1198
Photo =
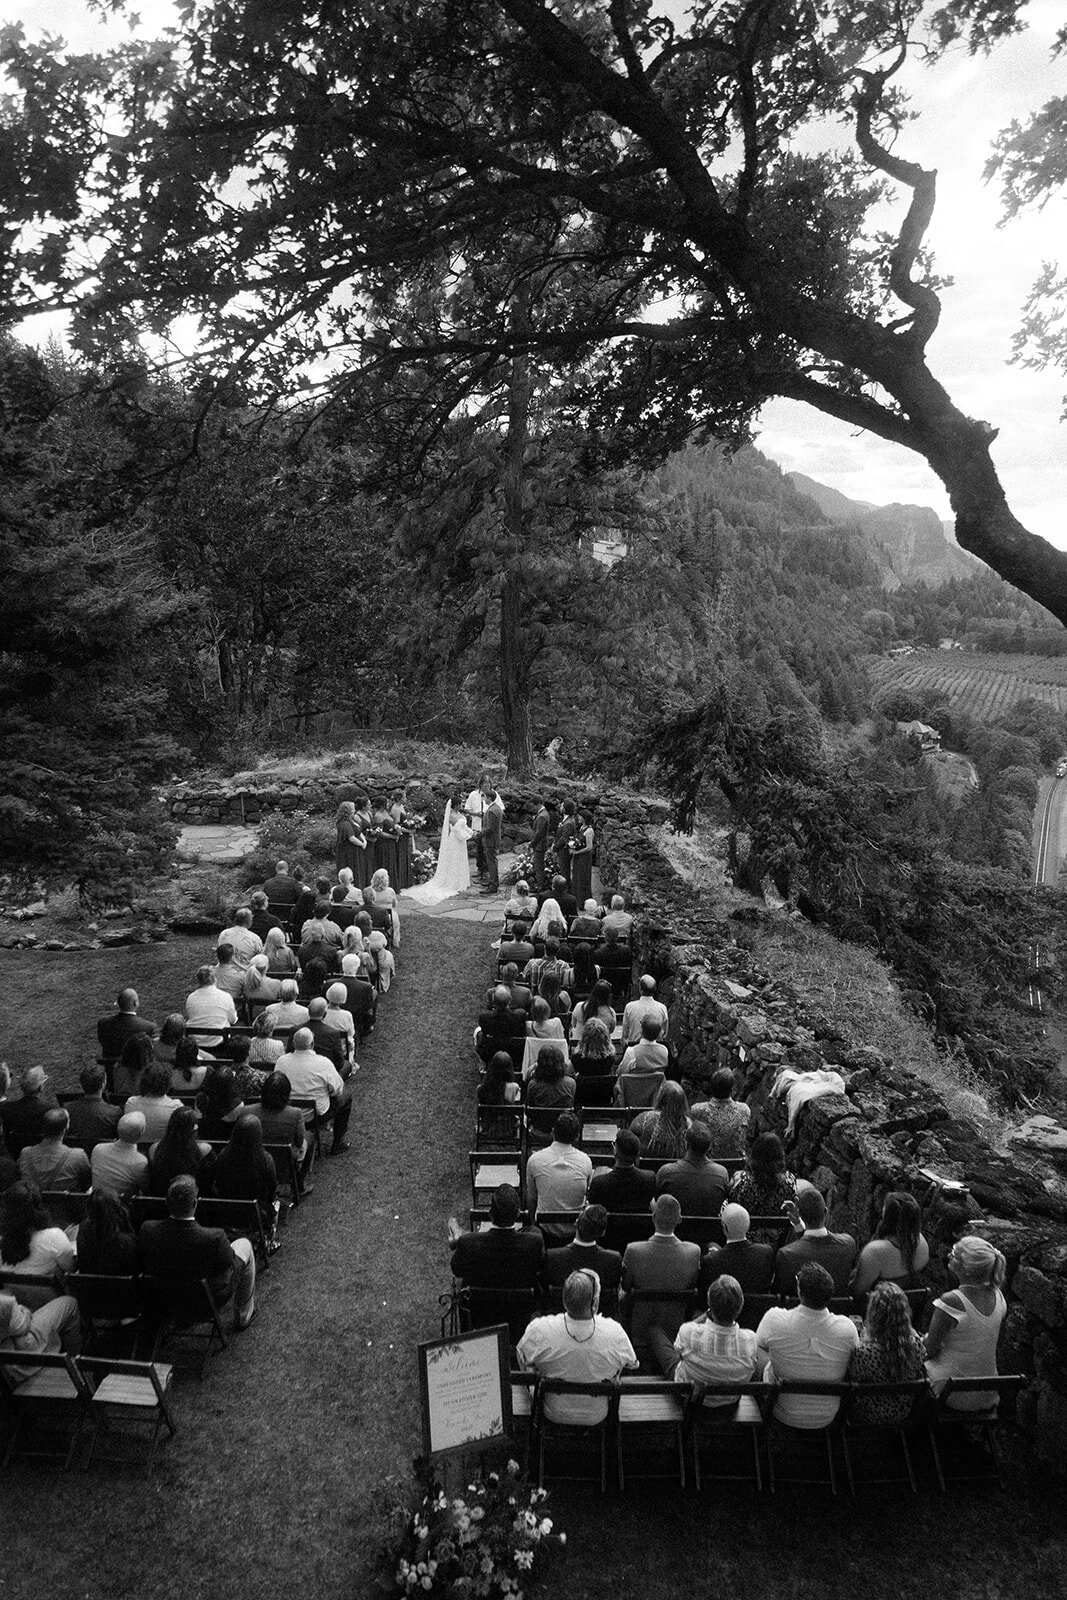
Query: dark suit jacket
518 950
751 1264
502 1258
361 998
263 922
559 1264
836 1252
491 827
282 891
113 1031
329 1042
170 1249
91 1120
662 1262
699 1188
498 1027
628 1189
22 1120
539 837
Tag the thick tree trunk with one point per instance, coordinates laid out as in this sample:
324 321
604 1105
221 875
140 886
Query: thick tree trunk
514 667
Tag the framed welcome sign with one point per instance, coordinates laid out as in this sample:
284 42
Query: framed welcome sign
465 1389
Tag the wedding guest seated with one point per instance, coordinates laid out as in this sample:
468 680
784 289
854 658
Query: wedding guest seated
120 1166
361 997
727 1118
617 918
542 1024
52 1164
577 1346
965 1326
515 946
505 1256
646 1005
113 1031
153 1102
342 910
107 1239
138 1054
304 909
807 1344
30 1243
339 1016
229 975
189 1070
282 889
598 1005
521 995
354 944
566 906
664 1127
521 903
350 894
176 1246
91 1118
381 961
584 971
219 1103
549 923
551 962
898 1253
624 1187
699 1185
548 1091
834 1251
312 1076
647 1054
169 1037
593 1065
245 1171
586 1251
557 1176
499 1024
281 1122
663 1262
313 980
211 1008
44 1331
179 1153
381 918
384 896
321 939
890 1351
249 1080
282 959
712 1348
287 1012
498 1089
330 1041
258 988
246 944
263 919
586 925
764 1187
740 1257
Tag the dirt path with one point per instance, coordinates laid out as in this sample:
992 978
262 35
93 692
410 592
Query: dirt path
276 1478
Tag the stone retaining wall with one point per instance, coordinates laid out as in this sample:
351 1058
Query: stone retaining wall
878 1136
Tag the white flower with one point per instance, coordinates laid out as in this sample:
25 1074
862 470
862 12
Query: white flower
524 1559
563 1538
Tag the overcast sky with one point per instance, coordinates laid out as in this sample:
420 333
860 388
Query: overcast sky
962 104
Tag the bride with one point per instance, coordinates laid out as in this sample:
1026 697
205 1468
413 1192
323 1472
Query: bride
453 873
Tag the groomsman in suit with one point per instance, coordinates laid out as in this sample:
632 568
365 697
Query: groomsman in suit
566 831
539 845
491 841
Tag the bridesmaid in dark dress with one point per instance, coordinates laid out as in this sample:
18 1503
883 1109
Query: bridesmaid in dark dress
582 860
385 838
404 876
352 844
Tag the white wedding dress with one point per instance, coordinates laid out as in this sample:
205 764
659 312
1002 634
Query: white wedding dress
453 874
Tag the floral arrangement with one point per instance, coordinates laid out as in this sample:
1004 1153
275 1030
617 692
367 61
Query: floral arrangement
521 868
481 1543
423 864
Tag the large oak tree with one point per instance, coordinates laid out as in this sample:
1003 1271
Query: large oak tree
290 173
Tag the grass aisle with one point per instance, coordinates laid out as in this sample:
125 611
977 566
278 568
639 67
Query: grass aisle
275 1480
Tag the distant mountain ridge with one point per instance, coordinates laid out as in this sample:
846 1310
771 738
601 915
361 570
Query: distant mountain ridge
908 543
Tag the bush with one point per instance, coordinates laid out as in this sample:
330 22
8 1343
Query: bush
294 836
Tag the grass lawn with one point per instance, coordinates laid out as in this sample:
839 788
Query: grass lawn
282 1466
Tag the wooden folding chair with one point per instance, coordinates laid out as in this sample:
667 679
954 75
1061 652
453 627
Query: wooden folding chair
913 1400
960 1423
490 1168
133 1392
178 1307
110 1307
754 1309
523 1407
651 1406
570 1435
47 1388
823 1436
485 1308
729 1413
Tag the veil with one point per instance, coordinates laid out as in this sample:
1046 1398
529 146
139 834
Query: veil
444 828
441 886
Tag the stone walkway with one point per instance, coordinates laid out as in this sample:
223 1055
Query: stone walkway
216 845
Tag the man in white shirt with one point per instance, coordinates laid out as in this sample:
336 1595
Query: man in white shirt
246 944
618 917
473 810
712 1348
287 1012
577 1346
646 1005
119 1165
53 1164
807 1344
209 1007
315 1077
647 1054
557 1178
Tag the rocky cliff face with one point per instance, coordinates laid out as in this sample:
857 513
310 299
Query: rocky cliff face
908 542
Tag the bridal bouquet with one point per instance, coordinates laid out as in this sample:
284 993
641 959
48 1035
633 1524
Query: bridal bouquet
481 1543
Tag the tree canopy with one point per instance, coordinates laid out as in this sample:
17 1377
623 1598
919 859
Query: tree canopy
302 176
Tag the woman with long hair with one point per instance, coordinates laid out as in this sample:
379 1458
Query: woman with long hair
188 1071
497 1089
764 1187
663 1127
219 1104
154 1101
582 858
548 1092
585 970
890 1352
351 843
137 1054
598 1005
350 895
31 1243
549 921
898 1253
965 1326
282 959
593 1065
259 988
453 873
107 1239
244 1170
549 988
171 1032
385 895
179 1153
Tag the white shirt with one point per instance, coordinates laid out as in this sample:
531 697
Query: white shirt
119 1167
557 1178
635 1013
311 1075
287 1013
577 1352
342 1020
474 808
647 1055
811 1347
210 1007
713 1353
246 944
156 1110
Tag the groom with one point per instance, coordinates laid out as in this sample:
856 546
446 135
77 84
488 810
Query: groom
491 815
